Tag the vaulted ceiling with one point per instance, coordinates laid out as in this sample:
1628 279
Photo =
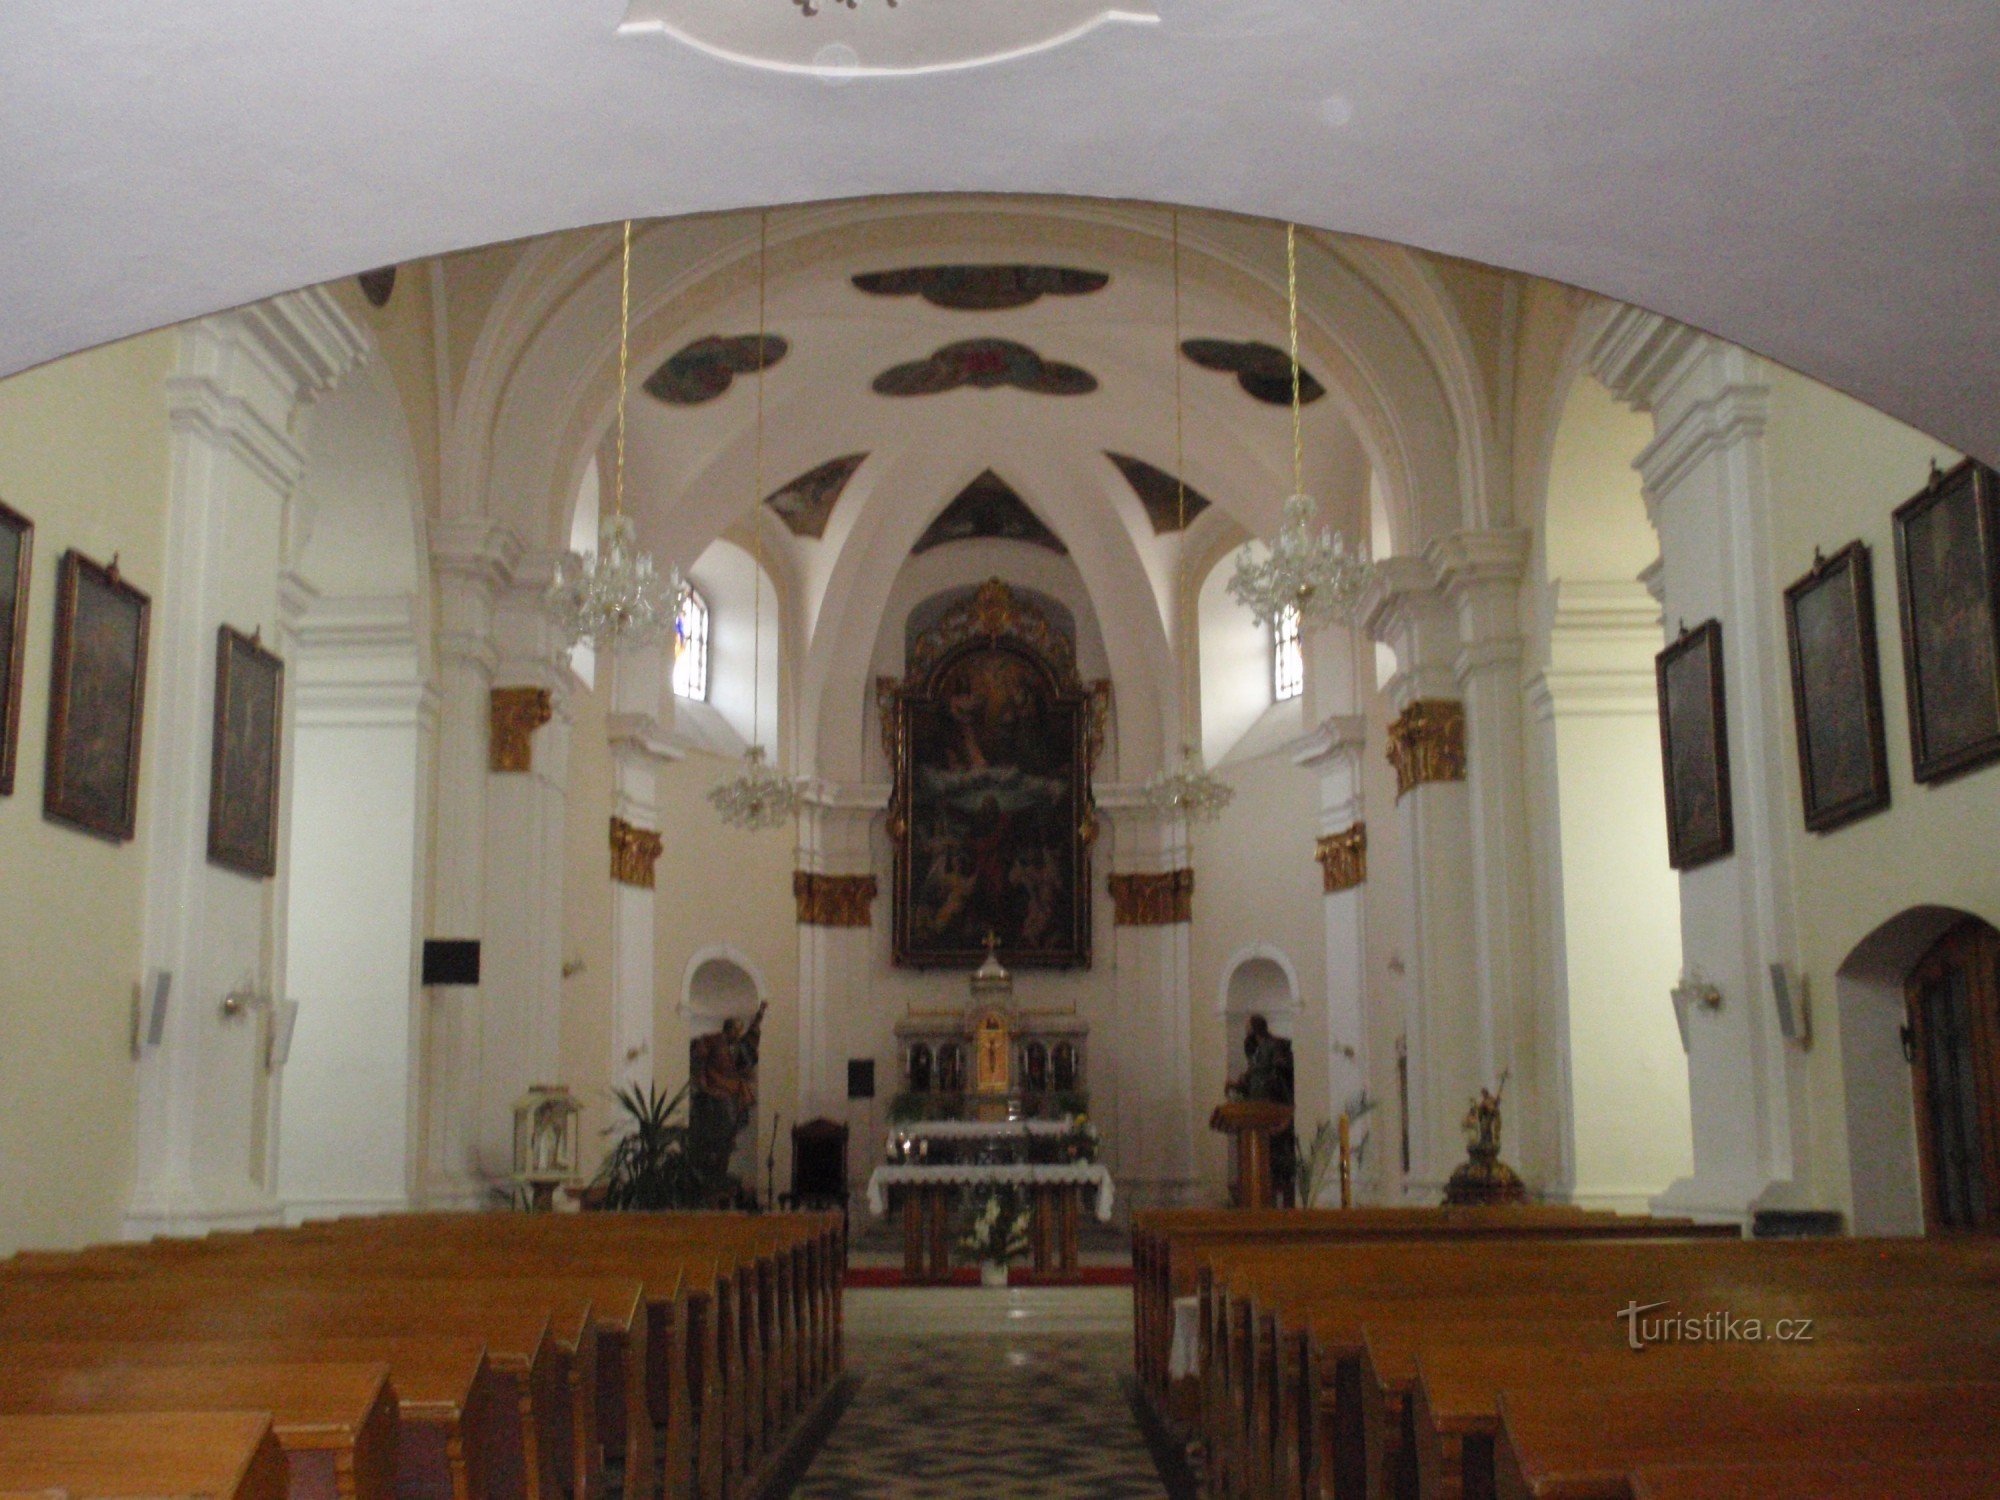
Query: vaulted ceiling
1816 179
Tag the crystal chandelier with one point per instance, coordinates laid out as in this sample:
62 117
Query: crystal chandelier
1189 791
615 596
1311 568
757 798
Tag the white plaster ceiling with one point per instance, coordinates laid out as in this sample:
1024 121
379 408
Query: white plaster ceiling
1816 179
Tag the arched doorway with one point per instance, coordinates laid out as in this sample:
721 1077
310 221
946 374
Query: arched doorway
1914 962
1953 1043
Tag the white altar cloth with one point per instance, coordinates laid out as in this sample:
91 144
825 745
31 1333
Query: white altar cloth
1081 1173
975 1130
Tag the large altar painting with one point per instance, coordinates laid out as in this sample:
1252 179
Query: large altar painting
992 737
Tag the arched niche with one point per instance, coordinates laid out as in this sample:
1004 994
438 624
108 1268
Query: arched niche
720 983
1884 1175
1258 980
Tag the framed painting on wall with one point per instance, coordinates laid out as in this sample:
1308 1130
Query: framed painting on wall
17 544
97 700
991 741
1948 589
1837 689
1694 745
243 780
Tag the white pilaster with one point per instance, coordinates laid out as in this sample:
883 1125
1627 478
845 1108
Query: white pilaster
1443 1026
521 967
1481 575
638 749
1150 1122
1333 754
206 1104
836 837
472 559
1708 493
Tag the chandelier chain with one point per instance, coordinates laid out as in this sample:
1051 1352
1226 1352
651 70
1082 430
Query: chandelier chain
624 362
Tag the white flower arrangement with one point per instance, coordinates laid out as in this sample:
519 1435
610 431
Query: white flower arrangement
997 1230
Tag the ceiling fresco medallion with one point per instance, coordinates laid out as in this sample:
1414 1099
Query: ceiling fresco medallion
987 364
1168 503
840 39
705 369
805 504
1263 370
988 508
995 288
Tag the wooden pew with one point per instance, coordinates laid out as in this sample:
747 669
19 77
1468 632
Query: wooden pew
219 1455
1583 1445
1455 1410
336 1423
455 1433
1934 1480
1253 1363
528 1349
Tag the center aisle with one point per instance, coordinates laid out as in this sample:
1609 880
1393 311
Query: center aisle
970 1394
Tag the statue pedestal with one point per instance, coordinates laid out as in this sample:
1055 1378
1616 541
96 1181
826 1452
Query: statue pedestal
989 1108
1251 1123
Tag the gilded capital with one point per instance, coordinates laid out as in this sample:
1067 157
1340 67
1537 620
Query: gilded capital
1343 858
1427 743
834 900
1153 900
634 853
515 713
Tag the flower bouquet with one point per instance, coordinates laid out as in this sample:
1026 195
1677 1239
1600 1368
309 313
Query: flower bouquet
996 1231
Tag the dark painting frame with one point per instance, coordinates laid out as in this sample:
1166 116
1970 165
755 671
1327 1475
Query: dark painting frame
1694 748
246 750
1948 597
1837 690
1062 843
17 553
97 700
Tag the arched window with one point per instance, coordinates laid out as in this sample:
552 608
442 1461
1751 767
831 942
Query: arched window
691 648
1288 662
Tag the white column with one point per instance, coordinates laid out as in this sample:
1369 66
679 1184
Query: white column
349 1140
1142 1073
1333 753
472 559
521 965
1444 1031
1708 495
638 749
1481 574
836 838
206 1103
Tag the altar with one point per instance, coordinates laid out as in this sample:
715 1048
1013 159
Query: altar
993 1096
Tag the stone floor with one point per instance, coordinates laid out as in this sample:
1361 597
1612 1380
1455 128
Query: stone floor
969 1394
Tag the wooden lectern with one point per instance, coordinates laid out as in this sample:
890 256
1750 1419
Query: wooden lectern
1251 1123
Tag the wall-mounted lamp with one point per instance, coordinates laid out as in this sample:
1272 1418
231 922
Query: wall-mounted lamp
1693 990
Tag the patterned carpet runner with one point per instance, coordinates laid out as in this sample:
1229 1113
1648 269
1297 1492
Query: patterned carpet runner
987 1418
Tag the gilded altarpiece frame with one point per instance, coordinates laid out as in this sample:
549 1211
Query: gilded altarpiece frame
992 738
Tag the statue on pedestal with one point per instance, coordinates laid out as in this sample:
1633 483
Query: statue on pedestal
1483 1178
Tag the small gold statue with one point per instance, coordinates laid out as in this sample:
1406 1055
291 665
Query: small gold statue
1484 1178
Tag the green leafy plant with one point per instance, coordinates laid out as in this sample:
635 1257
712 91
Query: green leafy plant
657 1162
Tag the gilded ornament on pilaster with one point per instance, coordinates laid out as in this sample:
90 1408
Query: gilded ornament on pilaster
1427 743
1343 858
1156 899
514 714
634 852
834 900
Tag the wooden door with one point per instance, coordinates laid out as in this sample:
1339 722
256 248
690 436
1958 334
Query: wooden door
1954 1004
